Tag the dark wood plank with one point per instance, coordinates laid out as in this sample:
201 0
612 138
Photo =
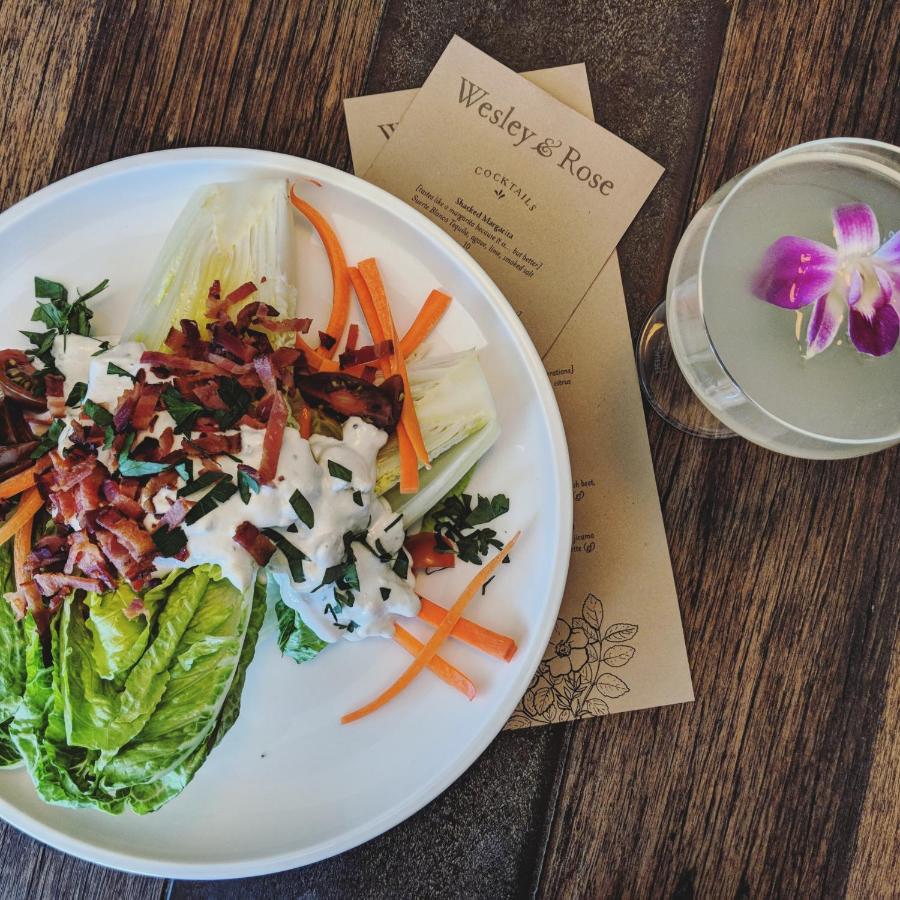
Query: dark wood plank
773 782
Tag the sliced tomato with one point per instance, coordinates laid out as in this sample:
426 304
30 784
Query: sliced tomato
426 554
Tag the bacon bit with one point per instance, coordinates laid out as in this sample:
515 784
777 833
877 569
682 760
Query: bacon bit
56 402
240 293
254 542
352 337
145 407
214 299
170 361
216 444
167 479
175 340
118 499
71 472
135 571
274 435
134 609
266 372
225 339
166 441
125 408
208 464
208 394
176 512
228 366
48 554
131 535
285 357
301 325
368 374
326 340
253 312
250 422
366 354
50 583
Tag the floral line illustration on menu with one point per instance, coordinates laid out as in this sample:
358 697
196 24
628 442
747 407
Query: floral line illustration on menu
573 680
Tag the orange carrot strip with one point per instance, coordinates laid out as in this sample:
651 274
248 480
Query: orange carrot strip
367 307
469 632
429 315
409 462
17 483
30 503
305 423
429 651
368 268
21 549
317 361
340 301
438 665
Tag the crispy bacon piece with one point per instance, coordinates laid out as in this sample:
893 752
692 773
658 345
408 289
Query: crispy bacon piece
271 324
165 479
136 571
131 535
272 439
125 408
352 337
47 555
118 499
266 372
254 542
253 312
16 599
71 471
170 361
214 298
370 353
228 366
216 307
166 441
176 512
50 583
327 341
207 393
56 400
216 444
145 407
250 422
226 340
88 558
87 496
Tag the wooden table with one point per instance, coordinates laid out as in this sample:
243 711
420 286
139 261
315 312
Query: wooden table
783 778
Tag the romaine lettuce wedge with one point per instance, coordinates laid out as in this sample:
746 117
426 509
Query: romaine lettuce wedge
12 661
234 232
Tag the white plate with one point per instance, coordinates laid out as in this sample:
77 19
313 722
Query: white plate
289 785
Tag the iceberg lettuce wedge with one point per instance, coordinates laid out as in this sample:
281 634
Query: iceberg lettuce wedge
12 661
234 232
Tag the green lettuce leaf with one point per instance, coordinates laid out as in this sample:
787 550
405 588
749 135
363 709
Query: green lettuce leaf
147 798
12 660
295 638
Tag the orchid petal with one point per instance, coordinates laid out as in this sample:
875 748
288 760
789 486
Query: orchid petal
855 229
877 334
855 288
826 318
889 252
794 272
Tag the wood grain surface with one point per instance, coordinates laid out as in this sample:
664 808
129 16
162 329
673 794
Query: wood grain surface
783 779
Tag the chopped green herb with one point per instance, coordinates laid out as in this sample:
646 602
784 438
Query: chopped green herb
169 541
484 587
49 439
357 498
336 470
292 528
293 555
455 520
223 491
385 593
236 399
184 412
302 507
185 469
76 395
113 369
104 346
99 414
246 484
139 468
394 522
401 564
109 435
204 480
380 552
351 626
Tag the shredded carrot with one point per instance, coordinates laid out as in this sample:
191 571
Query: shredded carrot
368 268
409 463
340 302
469 632
367 307
21 549
17 483
30 503
429 651
429 315
438 665
305 423
314 358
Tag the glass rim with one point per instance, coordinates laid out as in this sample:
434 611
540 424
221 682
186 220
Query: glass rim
738 181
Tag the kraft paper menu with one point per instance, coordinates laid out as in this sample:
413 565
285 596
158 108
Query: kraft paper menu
618 644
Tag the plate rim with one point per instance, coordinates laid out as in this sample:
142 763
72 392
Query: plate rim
358 834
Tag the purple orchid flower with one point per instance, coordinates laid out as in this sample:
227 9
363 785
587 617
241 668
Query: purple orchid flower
859 275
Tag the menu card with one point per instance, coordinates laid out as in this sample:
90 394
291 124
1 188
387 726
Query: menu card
618 644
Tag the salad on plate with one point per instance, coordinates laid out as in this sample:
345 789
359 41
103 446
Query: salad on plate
161 490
